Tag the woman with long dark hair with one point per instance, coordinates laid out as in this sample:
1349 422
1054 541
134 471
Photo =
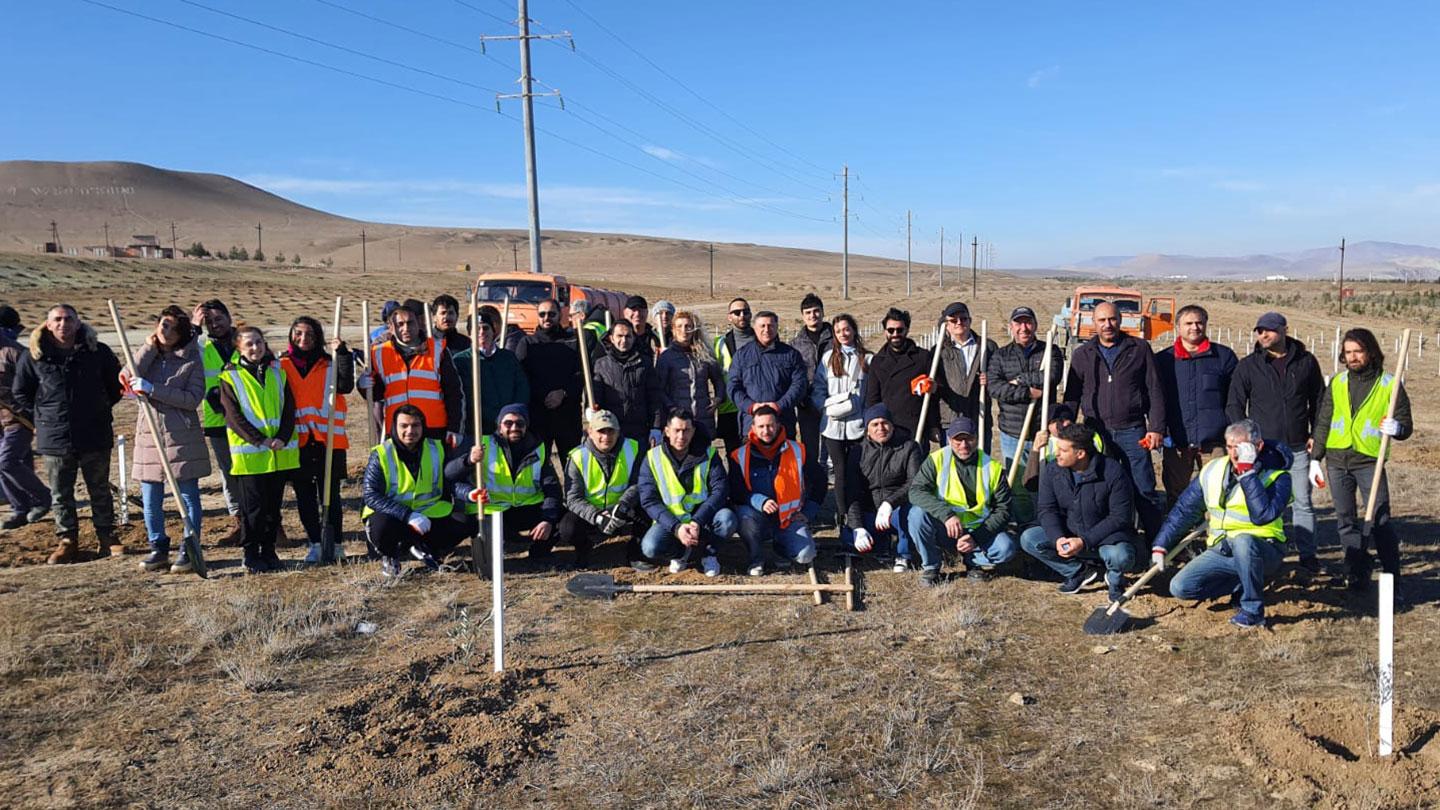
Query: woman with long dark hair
838 393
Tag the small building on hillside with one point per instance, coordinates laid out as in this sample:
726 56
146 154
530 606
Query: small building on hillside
146 246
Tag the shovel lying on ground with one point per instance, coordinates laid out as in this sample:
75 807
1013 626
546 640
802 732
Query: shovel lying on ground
604 586
1110 620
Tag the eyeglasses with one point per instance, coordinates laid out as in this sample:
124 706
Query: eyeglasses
895 330
738 312
513 423
957 319
547 313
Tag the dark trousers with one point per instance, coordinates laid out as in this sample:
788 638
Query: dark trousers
840 450
1125 444
575 531
308 483
727 425
260 497
560 427
395 538
518 519
18 481
1347 481
94 467
1179 464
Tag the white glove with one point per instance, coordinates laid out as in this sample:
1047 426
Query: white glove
863 541
1317 475
143 386
1246 453
1388 426
419 523
882 516
1157 558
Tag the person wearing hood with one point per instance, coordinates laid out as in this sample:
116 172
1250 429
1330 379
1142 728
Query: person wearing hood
217 348
688 377
815 338
625 384
67 385
1351 420
1243 496
775 499
502 380
962 501
899 377
27 495
519 480
551 359
601 495
837 395
878 480
413 368
307 370
171 377
740 335
1279 386
259 412
684 490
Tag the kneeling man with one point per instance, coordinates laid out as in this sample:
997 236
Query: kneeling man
961 496
769 487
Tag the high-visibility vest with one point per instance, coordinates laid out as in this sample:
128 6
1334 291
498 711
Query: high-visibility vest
722 353
262 407
417 384
214 364
988 474
1227 512
789 479
600 492
505 487
311 413
597 328
1359 431
680 503
425 494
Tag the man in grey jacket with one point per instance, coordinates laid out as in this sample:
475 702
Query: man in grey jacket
601 498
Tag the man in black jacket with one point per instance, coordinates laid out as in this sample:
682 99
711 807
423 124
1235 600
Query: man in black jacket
551 359
1017 381
67 384
894 370
625 384
960 376
1279 385
1085 510
812 341
880 476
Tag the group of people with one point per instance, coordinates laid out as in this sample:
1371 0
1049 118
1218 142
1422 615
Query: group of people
633 453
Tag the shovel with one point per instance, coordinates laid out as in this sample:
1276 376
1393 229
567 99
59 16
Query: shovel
328 541
1107 621
604 586
1370 502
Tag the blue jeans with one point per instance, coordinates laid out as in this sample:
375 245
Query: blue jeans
1116 557
1008 445
899 532
658 544
930 538
152 495
793 542
1142 474
1302 528
1240 563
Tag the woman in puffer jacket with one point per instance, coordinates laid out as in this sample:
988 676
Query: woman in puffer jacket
839 395
688 375
171 376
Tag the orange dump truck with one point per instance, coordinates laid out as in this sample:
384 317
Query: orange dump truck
526 290
1145 318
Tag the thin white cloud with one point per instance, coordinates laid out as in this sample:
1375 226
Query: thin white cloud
663 153
1042 75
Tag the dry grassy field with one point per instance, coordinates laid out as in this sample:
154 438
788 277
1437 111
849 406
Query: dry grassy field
124 689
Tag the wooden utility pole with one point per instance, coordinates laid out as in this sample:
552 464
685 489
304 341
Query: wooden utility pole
55 236
712 269
399 252
173 249
1342 275
515 255
363 262
259 237
907 254
974 272
845 244
942 257
107 237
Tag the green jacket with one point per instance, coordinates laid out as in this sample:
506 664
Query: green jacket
925 495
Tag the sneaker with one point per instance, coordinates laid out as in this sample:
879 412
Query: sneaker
676 566
155 561
711 566
1247 620
390 567
642 566
182 564
1073 583
421 553
929 577
15 521
312 556
979 574
37 514
758 569
901 565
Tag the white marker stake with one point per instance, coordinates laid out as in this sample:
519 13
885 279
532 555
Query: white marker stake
1386 674
497 585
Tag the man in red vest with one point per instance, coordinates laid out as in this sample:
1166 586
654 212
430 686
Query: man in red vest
415 369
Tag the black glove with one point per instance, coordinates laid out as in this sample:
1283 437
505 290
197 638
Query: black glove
609 522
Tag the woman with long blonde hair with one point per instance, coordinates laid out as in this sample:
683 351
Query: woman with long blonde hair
690 378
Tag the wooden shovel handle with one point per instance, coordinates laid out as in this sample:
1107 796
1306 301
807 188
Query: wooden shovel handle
773 587
1385 440
1148 575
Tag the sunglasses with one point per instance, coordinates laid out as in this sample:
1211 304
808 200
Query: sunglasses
957 319
738 312
894 330
512 423
547 313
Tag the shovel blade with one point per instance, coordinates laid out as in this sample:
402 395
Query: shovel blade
197 557
480 551
327 543
1103 623
592 586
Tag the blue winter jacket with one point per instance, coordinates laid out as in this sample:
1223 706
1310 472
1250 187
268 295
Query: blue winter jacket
774 373
761 486
1264 503
1196 392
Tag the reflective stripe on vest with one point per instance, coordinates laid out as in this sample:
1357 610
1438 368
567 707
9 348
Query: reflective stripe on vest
261 406
1359 431
505 488
425 495
722 353
310 411
417 383
987 479
789 477
1232 516
214 364
680 503
598 491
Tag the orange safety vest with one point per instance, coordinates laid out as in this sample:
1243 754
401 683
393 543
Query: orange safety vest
310 413
417 384
789 479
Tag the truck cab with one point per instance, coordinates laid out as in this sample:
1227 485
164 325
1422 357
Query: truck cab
1144 318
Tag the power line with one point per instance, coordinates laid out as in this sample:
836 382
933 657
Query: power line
479 10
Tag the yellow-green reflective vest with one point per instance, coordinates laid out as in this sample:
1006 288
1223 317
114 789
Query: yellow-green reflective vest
988 473
425 494
214 364
1360 432
262 407
597 328
680 503
505 488
722 353
1230 515
601 493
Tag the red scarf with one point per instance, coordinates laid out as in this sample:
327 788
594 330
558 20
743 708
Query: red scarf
1181 354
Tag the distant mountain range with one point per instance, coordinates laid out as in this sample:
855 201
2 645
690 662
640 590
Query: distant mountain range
1387 260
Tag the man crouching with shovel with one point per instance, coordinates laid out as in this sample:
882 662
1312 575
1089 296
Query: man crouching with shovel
1243 497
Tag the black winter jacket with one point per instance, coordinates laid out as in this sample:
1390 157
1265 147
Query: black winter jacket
1284 408
551 360
374 493
1197 391
68 395
1012 374
1126 396
889 382
1098 509
880 472
626 385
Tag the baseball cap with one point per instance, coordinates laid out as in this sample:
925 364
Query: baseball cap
637 302
9 318
602 420
959 425
1023 312
956 309
1271 322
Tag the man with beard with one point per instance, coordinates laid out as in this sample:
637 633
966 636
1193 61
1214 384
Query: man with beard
445 319
894 370
773 498
551 359
415 369
740 335
217 348
625 384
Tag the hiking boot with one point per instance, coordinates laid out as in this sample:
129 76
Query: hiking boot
710 565
980 574
37 514
929 577
155 561
235 536
109 543
15 521
390 567
182 564
1246 620
1073 583
421 553
272 560
67 551
757 570
642 566
254 563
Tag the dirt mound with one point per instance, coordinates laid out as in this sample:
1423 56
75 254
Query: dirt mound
1321 753
427 730
32 544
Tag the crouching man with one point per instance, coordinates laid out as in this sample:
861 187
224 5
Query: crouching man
768 486
408 499
1086 509
1243 496
601 494
960 496
519 480
683 489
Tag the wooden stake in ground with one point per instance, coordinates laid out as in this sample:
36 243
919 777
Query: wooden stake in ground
328 538
981 405
477 429
497 520
585 370
191 540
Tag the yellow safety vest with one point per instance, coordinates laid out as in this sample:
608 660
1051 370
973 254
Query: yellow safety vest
677 500
599 492
988 473
214 364
1360 432
1228 513
722 353
425 494
262 407
505 488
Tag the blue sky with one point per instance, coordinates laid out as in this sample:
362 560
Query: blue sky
1056 130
